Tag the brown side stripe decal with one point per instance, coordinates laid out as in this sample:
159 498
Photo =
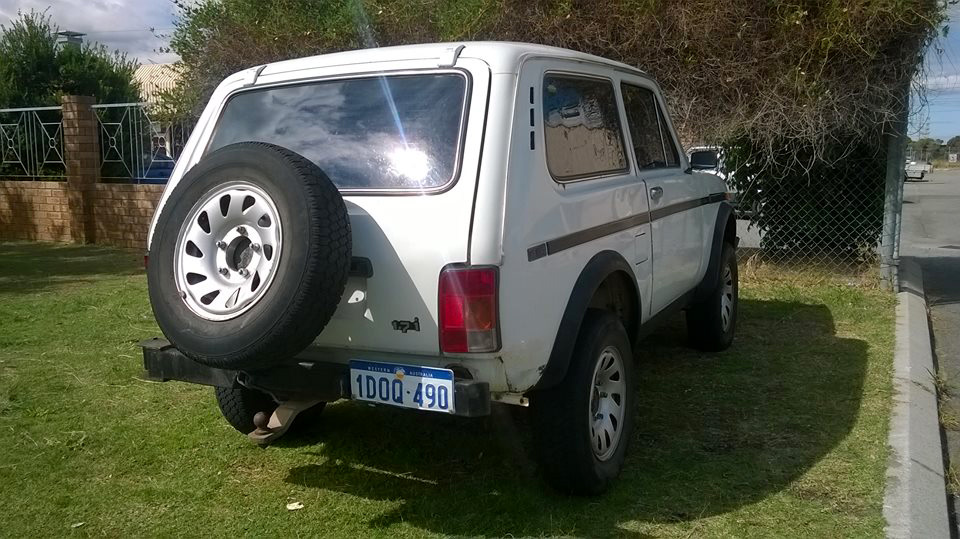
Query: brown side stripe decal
569 241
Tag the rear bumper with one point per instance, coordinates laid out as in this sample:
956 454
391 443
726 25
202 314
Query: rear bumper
297 380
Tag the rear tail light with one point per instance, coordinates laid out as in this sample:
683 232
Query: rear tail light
468 310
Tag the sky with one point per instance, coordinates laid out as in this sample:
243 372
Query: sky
940 116
119 24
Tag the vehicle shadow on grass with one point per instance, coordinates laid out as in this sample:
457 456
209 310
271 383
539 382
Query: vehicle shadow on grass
33 267
716 432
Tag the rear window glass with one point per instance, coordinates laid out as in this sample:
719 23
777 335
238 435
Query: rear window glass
582 127
393 132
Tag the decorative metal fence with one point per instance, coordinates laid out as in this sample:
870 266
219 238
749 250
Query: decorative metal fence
134 147
31 143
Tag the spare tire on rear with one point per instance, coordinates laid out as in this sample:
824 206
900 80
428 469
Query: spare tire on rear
249 257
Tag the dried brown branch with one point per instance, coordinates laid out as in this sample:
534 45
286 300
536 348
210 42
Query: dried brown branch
798 72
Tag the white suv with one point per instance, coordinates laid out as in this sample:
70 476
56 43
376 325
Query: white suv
438 227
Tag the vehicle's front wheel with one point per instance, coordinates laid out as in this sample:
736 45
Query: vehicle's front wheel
582 427
711 323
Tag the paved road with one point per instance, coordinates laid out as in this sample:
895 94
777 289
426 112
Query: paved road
931 236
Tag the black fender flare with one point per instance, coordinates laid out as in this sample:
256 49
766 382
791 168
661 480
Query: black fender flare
601 266
725 226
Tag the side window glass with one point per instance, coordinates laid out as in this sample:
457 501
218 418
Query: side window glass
673 159
641 108
581 127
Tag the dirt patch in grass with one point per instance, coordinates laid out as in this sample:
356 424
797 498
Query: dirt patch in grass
782 435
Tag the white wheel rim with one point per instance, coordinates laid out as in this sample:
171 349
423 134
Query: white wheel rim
727 299
607 403
228 251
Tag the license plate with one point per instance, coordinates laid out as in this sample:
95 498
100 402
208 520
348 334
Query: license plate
409 386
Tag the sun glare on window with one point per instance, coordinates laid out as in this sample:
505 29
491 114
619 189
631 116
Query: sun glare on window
410 163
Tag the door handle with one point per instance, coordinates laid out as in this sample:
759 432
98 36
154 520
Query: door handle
656 192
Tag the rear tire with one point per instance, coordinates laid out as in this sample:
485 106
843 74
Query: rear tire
712 323
576 451
239 404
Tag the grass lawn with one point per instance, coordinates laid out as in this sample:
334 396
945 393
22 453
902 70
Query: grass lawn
784 435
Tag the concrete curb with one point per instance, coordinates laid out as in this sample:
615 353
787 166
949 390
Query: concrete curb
915 501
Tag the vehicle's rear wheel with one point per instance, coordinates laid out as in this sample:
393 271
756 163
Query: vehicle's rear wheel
712 323
249 258
582 427
239 404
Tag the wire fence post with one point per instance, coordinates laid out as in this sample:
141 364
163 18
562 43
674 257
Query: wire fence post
893 193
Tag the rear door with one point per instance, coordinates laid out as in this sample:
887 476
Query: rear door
675 212
401 141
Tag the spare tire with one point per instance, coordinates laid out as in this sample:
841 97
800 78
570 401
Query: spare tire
249 258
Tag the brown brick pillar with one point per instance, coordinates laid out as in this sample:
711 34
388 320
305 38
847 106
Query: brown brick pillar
82 154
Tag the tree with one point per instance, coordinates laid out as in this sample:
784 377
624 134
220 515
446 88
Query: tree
215 38
28 66
927 149
802 92
928 143
804 71
35 71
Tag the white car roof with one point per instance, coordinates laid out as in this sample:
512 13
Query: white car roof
501 56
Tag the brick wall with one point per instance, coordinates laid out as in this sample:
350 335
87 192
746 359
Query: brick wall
79 209
122 213
35 210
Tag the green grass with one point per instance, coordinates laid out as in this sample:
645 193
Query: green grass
784 435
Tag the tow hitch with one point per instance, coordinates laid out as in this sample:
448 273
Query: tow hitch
270 428
295 386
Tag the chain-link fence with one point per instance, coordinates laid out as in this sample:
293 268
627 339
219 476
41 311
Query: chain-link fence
834 219
826 213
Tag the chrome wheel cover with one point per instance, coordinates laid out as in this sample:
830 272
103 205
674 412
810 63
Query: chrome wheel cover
608 395
726 299
227 251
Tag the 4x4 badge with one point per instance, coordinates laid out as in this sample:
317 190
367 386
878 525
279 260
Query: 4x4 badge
406 325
